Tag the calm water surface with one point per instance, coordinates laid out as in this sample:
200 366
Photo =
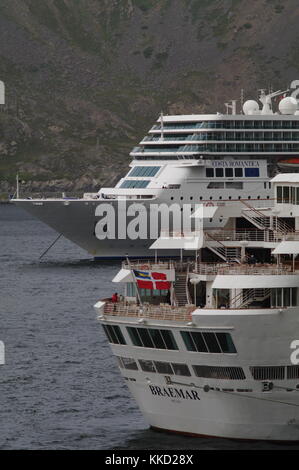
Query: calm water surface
60 387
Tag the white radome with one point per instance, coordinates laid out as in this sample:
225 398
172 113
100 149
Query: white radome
288 105
251 107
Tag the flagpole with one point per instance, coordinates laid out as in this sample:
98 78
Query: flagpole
18 190
134 278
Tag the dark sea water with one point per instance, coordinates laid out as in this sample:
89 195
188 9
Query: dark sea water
60 387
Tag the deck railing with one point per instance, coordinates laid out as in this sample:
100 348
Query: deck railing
159 312
149 265
252 235
213 269
258 269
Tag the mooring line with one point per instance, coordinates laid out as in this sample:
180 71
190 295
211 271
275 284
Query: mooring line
52 244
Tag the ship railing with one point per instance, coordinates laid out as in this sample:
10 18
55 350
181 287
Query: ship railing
252 235
158 312
258 269
180 234
148 265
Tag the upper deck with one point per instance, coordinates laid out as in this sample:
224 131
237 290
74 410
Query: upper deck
224 287
193 135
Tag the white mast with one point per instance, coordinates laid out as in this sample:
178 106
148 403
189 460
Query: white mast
162 126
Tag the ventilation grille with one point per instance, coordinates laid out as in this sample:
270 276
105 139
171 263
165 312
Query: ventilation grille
268 373
214 372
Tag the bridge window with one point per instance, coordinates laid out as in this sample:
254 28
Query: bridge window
208 342
144 171
152 338
229 172
114 334
134 184
238 172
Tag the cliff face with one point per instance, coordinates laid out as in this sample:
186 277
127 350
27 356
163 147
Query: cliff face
85 79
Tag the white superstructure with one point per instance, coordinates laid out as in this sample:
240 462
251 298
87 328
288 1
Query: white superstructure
222 160
216 351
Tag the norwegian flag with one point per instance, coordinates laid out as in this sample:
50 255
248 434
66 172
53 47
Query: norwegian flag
151 280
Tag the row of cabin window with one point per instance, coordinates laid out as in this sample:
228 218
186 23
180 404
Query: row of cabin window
207 342
155 366
257 372
248 147
232 172
287 195
220 197
212 372
244 124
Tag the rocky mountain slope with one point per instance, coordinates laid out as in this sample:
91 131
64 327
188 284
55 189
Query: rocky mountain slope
85 79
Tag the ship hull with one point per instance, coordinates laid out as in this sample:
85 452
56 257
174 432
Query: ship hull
76 220
247 408
220 415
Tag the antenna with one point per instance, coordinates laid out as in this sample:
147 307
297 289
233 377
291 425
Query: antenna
2 92
266 100
231 105
242 100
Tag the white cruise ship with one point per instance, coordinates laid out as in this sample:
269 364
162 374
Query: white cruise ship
212 348
222 160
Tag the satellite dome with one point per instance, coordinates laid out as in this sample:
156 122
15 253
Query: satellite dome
251 107
288 105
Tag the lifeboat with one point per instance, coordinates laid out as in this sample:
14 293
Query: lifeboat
289 163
